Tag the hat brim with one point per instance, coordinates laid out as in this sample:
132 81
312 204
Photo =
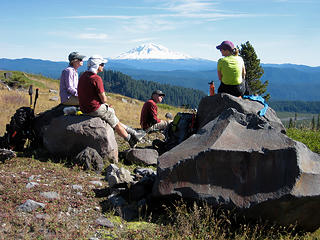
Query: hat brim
81 57
158 92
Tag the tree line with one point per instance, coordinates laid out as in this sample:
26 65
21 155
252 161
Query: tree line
117 82
295 106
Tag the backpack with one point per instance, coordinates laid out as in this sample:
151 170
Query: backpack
182 127
19 129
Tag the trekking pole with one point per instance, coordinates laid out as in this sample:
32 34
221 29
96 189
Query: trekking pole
30 93
35 99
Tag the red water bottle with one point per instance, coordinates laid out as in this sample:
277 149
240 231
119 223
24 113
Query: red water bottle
211 88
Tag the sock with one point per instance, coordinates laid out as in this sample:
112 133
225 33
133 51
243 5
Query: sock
128 137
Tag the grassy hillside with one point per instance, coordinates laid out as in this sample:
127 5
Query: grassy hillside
74 214
127 109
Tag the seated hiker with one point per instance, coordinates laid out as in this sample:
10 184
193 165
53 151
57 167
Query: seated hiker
149 120
93 101
231 70
69 80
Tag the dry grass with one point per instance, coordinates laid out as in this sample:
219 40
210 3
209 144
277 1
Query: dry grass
128 110
10 102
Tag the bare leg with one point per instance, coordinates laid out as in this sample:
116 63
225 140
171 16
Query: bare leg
121 131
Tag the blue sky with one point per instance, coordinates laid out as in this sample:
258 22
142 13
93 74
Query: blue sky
281 31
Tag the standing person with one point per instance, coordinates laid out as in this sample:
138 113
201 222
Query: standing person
149 120
93 101
69 80
231 70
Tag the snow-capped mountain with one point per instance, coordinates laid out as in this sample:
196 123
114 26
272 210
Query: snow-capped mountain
152 51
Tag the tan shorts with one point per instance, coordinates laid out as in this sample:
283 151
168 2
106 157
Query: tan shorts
106 113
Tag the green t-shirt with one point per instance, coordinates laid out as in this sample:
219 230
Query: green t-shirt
231 69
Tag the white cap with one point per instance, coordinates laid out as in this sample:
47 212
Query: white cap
94 61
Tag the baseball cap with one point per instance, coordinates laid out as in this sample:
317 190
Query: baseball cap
210 82
96 60
159 92
75 55
226 45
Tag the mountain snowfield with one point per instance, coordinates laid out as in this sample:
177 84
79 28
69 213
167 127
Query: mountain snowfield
152 51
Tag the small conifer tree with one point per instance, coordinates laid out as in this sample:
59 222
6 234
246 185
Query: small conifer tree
253 70
290 123
313 124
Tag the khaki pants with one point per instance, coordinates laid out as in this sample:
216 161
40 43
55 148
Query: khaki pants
159 126
106 113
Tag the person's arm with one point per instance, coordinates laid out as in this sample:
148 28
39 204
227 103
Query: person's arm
219 75
219 70
103 97
154 114
100 89
69 80
243 72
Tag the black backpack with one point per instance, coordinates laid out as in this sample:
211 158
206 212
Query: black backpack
182 127
19 129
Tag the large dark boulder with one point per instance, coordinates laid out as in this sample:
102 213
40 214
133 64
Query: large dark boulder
211 107
44 118
66 136
242 160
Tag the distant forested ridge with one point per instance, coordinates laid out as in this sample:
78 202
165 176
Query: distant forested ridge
117 82
295 106
287 82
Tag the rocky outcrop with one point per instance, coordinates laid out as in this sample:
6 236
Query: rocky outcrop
66 136
144 156
211 107
90 159
241 160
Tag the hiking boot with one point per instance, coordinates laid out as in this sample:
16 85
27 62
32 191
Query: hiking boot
139 134
133 141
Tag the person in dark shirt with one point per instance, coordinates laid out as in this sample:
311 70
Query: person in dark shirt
149 120
93 101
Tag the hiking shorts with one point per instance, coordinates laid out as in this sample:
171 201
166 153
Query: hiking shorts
106 113
235 90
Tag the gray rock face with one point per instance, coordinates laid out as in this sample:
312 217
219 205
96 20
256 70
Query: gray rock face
66 136
116 176
243 160
30 205
6 154
91 159
142 156
211 107
102 221
50 195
